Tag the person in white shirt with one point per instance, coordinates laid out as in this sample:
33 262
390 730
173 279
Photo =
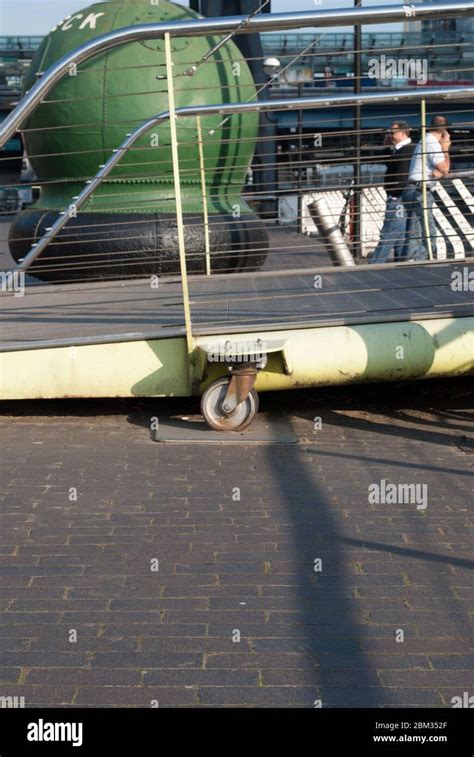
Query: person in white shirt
437 164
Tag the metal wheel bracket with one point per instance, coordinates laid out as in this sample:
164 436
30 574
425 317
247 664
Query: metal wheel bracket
207 350
242 381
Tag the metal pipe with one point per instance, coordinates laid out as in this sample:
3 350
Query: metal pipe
207 236
225 25
424 186
323 355
357 199
299 204
179 202
335 243
466 174
231 108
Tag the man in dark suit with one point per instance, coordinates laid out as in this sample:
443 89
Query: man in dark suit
392 235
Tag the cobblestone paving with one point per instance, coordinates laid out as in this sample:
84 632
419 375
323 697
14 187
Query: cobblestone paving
89 505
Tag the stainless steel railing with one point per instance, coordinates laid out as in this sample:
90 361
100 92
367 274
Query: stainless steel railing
231 24
229 109
323 101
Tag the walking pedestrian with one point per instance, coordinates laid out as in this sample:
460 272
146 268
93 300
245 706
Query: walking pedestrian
392 235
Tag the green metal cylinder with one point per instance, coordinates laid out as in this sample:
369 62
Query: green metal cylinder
88 115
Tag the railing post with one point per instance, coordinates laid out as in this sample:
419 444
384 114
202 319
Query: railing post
179 204
424 187
207 238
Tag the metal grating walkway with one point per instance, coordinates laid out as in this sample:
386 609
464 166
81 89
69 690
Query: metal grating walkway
74 313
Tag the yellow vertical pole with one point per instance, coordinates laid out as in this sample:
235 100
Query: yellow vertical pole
423 179
179 203
204 197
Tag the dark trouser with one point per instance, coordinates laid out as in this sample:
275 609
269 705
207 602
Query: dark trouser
417 240
392 235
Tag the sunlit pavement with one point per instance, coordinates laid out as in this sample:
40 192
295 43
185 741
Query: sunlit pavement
141 574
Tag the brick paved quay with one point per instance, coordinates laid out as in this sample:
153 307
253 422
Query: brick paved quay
84 562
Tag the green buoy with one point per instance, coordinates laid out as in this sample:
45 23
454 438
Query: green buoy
128 227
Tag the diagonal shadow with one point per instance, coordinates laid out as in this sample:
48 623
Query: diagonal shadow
437 433
443 588
418 554
397 463
310 512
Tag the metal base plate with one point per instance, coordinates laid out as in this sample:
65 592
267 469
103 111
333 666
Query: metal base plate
194 430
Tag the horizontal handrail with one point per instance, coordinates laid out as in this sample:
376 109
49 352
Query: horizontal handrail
465 174
275 42
433 93
219 26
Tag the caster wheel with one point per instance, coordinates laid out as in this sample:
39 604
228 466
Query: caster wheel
211 408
